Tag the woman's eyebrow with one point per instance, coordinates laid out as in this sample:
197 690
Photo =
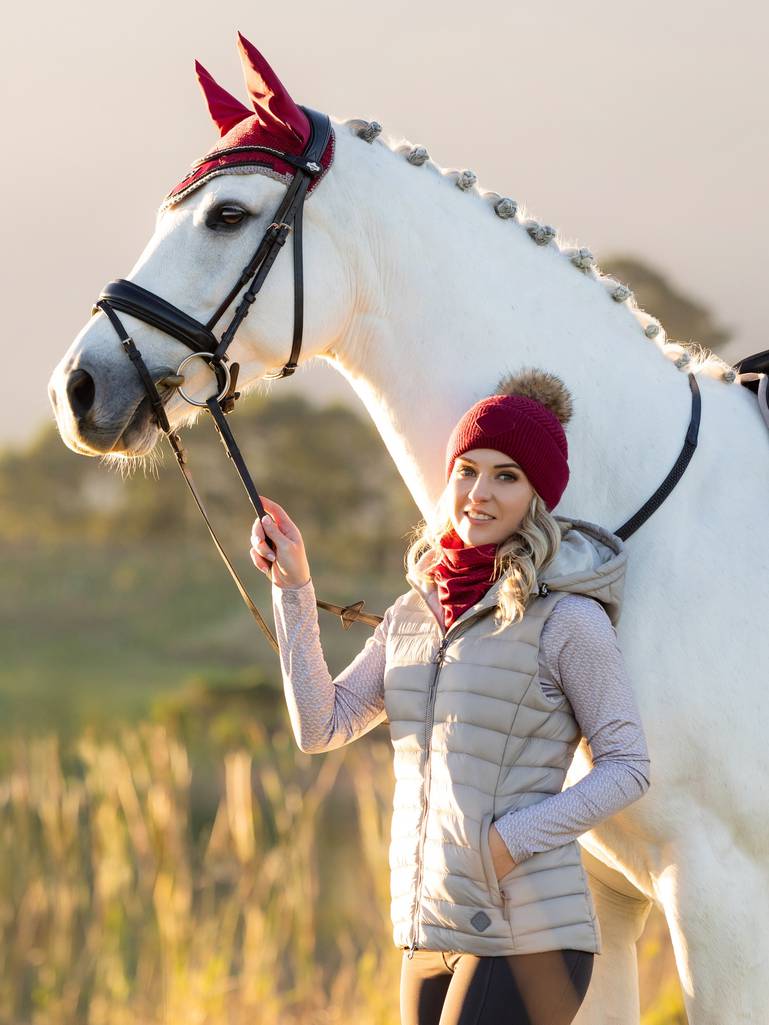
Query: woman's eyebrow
498 466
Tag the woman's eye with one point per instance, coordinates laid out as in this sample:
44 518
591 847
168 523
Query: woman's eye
226 216
463 471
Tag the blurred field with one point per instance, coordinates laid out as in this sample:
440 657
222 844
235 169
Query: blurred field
140 886
134 892
114 595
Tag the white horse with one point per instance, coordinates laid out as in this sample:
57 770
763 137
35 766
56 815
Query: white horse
422 289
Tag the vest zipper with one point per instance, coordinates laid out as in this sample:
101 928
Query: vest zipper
438 660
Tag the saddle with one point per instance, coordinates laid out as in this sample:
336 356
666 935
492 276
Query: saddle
753 372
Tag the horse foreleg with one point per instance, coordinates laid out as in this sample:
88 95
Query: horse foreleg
613 996
715 895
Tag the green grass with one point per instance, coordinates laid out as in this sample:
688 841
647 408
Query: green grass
92 635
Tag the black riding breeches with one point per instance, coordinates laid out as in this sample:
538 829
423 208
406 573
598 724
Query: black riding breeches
453 988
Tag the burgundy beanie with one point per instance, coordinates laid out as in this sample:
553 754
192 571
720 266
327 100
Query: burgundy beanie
523 427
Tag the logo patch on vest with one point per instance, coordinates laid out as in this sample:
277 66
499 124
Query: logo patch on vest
480 921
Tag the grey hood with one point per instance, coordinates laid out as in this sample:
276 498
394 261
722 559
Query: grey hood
590 561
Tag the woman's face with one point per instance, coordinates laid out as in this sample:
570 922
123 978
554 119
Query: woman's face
489 495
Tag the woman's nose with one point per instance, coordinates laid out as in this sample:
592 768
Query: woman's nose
480 488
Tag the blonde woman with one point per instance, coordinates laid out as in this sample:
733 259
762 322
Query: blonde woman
490 669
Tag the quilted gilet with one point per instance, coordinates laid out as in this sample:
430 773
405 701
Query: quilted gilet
474 737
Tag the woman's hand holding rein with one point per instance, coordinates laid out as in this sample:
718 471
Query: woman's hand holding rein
287 566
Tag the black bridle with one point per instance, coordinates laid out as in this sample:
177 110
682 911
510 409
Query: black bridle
138 302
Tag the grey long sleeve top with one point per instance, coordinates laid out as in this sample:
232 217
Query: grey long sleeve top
579 656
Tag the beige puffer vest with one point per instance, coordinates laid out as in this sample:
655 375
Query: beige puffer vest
474 737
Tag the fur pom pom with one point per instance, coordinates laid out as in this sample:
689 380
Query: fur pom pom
542 386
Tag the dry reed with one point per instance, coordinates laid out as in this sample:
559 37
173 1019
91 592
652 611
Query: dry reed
114 910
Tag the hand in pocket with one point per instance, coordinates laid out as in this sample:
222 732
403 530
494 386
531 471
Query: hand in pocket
501 856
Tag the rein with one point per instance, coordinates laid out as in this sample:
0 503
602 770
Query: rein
127 297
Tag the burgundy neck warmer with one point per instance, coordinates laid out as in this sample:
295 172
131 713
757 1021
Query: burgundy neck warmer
462 575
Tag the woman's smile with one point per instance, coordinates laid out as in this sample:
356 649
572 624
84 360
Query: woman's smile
479 517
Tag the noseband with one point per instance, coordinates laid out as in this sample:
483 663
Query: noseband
127 297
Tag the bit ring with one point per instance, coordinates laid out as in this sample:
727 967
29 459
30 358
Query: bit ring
209 356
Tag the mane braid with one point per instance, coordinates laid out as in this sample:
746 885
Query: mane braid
689 356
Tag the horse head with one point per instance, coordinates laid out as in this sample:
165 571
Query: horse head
206 232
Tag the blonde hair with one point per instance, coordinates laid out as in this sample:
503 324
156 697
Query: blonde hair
519 558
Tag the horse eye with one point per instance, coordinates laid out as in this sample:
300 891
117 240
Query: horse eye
226 216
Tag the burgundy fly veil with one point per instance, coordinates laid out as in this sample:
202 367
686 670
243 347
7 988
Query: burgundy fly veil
251 140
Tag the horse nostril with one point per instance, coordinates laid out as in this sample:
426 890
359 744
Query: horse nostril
81 392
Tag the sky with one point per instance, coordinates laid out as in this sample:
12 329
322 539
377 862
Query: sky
634 128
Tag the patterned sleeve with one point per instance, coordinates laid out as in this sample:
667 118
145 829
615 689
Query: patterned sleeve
326 713
580 649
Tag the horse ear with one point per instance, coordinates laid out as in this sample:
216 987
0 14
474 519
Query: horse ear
271 101
225 110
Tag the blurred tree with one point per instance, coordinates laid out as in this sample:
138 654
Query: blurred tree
326 466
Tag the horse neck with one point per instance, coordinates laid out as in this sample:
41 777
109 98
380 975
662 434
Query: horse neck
450 297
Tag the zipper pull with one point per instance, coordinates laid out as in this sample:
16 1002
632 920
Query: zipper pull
439 654
411 948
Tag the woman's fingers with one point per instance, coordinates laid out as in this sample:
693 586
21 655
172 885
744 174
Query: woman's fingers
287 564
276 525
265 546
272 506
267 537
261 563
265 527
275 539
281 517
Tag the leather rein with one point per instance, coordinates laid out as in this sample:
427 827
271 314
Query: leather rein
127 297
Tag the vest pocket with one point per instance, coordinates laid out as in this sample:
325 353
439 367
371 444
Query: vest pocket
565 857
488 862
507 876
545 899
